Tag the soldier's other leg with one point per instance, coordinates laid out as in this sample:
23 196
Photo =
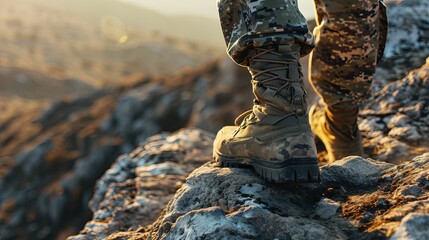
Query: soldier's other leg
342 67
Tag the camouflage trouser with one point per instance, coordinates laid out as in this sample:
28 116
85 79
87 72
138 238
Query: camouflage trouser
346 39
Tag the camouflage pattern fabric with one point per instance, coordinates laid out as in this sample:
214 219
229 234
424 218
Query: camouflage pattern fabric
343 63
347 39
257 23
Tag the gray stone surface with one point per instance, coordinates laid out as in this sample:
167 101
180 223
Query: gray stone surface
223 203
408 41
354 171
414 226
327 208
395 121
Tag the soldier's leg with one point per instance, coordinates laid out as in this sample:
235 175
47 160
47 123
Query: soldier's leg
268 37
342 67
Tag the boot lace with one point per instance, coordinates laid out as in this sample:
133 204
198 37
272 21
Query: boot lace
268 76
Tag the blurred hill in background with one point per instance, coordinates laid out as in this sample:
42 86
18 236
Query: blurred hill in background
89 44
52 49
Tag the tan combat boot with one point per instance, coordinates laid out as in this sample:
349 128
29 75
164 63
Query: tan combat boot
274 137
336 126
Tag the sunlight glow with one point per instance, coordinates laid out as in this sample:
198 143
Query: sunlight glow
114 29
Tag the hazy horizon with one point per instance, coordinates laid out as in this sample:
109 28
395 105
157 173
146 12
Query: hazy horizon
206 8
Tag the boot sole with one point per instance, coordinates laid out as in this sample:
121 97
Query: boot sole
302 170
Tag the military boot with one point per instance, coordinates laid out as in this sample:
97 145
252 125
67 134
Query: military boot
336 126
274 137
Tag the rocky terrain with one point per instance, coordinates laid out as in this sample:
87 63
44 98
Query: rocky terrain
408 38
52 157
358 198
396 119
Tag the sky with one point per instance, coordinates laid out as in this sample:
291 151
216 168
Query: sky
205 8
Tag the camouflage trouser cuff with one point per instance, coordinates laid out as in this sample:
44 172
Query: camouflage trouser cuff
240 50
247 24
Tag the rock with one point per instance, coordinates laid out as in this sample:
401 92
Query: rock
371 125
391 150
414 112
405 133
407 40
401 191
219 104
327 208
354 171
240 225
394 111
134 191
219 202
130 107
413 227
235 204
398 120
398 105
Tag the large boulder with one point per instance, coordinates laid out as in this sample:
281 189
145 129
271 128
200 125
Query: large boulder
135 190
234 204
